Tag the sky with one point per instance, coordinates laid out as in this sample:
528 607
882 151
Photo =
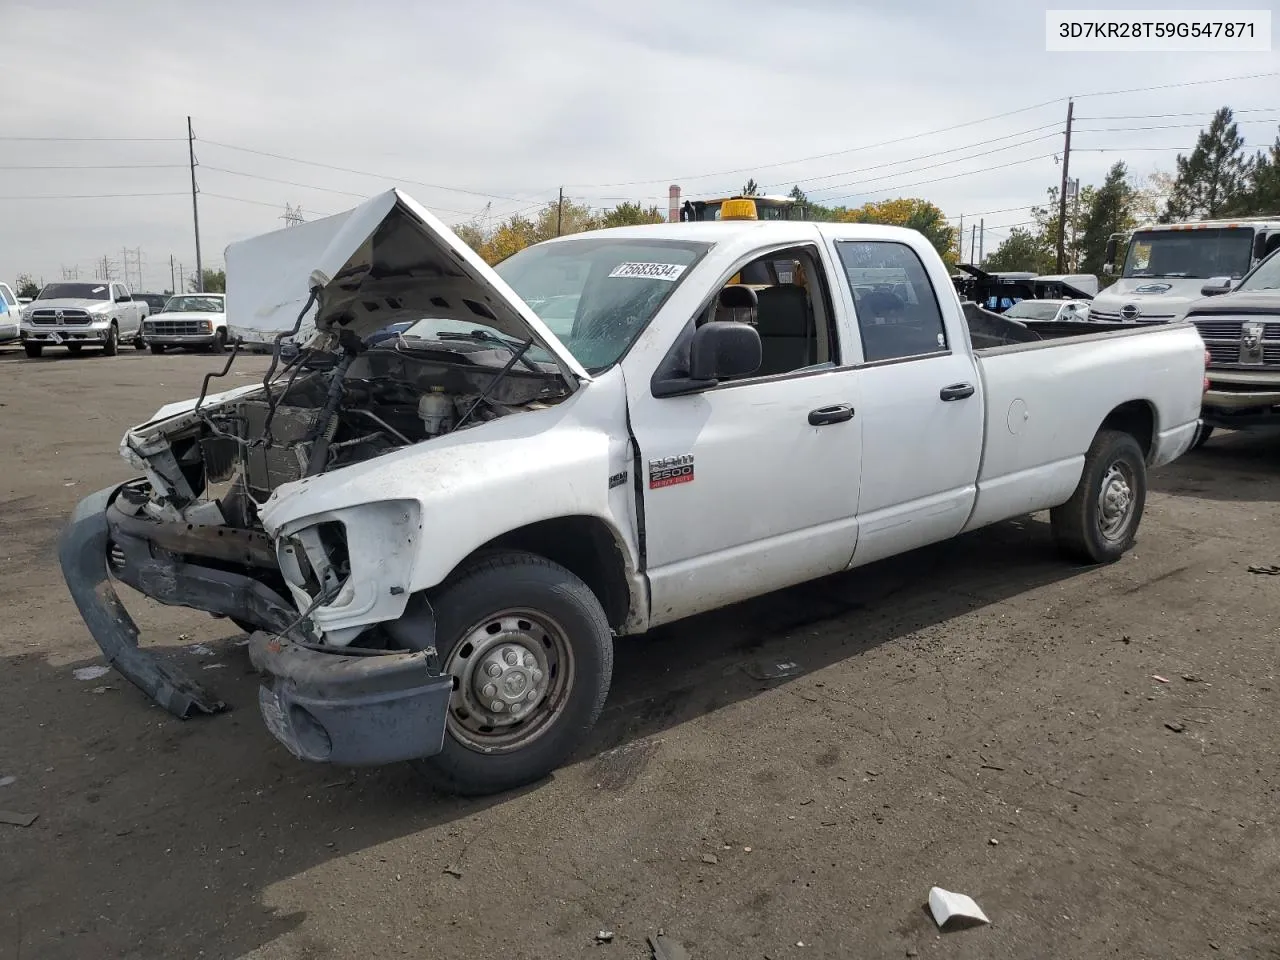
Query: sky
489 107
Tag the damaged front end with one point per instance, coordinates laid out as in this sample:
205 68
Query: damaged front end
352 674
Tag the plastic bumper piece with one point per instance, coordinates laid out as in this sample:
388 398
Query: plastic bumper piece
354 710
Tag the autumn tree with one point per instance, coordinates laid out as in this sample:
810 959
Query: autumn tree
912 213
1023 249
1213 181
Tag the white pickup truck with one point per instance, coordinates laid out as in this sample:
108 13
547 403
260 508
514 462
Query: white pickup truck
434 541
99 313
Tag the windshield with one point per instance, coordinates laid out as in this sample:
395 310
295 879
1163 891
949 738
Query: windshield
598 294
194 305
1200 254
74 291
1266 276
1033 310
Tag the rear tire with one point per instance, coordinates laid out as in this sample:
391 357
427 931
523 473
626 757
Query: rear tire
1203 433
157 348
512 624
1100 521
112 346
33 350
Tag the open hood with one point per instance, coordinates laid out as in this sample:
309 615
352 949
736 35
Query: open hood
384 261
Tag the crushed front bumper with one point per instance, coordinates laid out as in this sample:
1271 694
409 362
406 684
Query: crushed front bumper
342 705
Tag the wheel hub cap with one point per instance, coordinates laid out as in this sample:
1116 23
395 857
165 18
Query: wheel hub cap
1115 502
508 680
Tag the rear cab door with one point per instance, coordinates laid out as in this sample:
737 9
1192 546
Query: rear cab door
752 484
921 411
9 312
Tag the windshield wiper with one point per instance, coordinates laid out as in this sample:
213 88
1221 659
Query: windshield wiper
517 347
517 353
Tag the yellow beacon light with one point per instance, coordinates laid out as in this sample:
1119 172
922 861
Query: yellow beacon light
738 209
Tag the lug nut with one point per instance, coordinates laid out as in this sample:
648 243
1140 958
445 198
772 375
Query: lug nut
490 690
537 675
493 670
511 657
497 706
528 660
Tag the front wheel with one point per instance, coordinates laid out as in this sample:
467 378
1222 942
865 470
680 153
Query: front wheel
220 341
139 343
33 350
1100 521
531 656
112 345
157 348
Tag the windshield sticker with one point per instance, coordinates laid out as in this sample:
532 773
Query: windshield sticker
649 271
97 289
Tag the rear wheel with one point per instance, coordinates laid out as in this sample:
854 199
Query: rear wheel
1100 521
33 350
112 345
157 348
531 656
1203 433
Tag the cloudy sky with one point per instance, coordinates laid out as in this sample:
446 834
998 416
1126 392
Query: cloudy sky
487 107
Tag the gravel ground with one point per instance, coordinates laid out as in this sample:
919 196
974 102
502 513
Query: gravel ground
977 715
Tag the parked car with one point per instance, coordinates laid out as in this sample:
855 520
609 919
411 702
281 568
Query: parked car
1241 331
196 320
155 301
77 315
10 314
1054 310
434 552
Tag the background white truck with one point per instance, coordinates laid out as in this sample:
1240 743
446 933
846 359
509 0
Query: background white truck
1167 266
83 314
443 533
190 320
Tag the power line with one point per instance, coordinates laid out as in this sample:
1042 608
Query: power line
290 183
94 166
360 173
921 183
1170 126
1188 113
92 196
95 139
260 203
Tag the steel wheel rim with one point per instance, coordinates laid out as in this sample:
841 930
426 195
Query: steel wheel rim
1116 501
520 659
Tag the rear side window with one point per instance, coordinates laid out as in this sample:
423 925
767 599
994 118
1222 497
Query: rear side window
897 310
7 295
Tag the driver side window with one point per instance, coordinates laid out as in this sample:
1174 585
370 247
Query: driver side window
897 311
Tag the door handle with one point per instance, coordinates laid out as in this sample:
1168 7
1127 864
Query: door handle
836 414
957 391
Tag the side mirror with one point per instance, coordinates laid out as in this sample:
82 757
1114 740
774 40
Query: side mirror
1216 286
1259 245
724 350
1110 257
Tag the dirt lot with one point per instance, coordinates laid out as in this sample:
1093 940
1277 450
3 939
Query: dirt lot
977 715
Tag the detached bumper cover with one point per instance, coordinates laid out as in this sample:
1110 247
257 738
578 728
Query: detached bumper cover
324 705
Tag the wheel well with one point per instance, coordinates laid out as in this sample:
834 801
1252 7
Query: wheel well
1135 418
587 548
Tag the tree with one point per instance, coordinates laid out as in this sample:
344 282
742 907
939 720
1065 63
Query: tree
471 234
1110 211
1214 180
215 281
571 217
1023 249
751 188
912 213
27 286
629 214
1263 198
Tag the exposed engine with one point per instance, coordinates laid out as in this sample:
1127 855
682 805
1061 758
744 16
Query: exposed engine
325 411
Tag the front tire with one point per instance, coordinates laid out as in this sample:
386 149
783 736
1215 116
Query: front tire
531 653
112 346
33 350
138 342
1100 521
157 348
220 341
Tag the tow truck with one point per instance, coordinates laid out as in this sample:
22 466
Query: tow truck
741 207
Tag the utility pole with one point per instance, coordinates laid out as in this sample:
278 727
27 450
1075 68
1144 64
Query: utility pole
973 240
182 281
173 286
982 238
560 212
70 273
1075 219
1062 193
106 268
960 240
195 207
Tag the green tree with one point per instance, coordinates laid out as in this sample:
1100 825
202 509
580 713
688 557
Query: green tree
27 286
471 234
1023 249
571 217
629 214
1213 180
912 213
1263 198
1110 211
751 188
215 281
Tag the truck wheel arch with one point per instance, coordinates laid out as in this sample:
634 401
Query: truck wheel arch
1136 418
586 546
